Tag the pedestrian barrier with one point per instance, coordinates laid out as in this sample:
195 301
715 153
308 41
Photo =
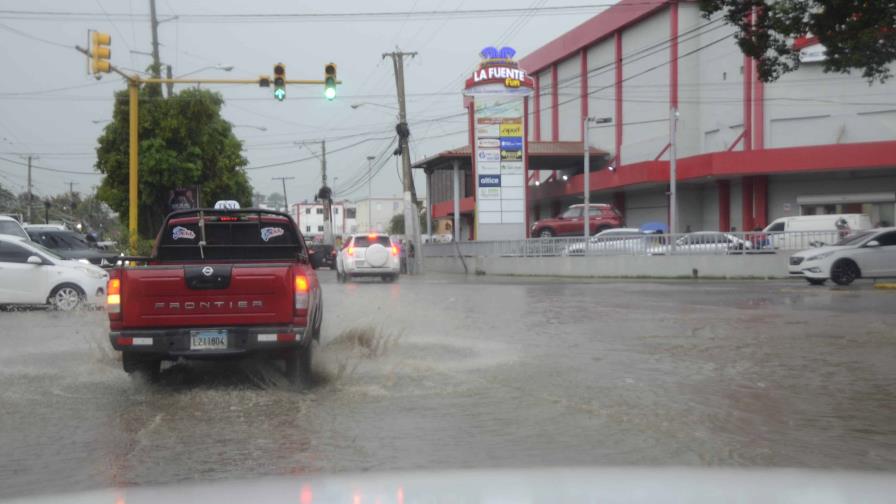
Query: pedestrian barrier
644 244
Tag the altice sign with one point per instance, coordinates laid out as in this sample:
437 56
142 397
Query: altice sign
498 87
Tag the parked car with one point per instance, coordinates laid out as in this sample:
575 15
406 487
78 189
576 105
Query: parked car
33 275
704 242
221 283
612 241
368 255
72 245
866 254
804 231
11 227
570 223
322 255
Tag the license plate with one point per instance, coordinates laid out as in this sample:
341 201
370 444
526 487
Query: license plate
208 340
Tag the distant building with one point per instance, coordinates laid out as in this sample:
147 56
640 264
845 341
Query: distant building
375 214
310 218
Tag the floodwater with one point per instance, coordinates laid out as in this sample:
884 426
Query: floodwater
448 372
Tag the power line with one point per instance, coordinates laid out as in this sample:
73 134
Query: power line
56 170
553 10
32 37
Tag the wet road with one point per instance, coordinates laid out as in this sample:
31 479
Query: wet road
447 372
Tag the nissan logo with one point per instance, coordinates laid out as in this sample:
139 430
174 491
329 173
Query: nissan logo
207 271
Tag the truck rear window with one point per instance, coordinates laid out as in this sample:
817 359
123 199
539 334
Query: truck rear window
242 238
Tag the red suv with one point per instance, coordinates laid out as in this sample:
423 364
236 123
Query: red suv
601 217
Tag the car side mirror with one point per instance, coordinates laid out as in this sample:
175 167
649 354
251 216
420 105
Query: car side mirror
873 243
35 260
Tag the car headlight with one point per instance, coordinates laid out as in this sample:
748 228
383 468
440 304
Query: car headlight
819 257
84 261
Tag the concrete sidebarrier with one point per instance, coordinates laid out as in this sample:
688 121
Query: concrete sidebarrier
622 266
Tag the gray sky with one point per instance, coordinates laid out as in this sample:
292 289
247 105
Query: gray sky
58 124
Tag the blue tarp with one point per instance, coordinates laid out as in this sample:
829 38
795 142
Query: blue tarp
652 227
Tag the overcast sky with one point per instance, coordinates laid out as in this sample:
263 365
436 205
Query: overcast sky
48 104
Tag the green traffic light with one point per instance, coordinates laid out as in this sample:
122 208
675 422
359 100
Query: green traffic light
330 93
280 94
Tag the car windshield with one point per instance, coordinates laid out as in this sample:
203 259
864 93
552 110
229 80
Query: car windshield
45 251
854 238
11 228
515 246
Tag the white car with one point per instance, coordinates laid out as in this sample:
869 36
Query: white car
373 255
866 254
33 275
11 227
704 242
611 241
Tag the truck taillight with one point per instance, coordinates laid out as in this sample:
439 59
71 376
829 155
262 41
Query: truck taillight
394 250
113 295
301 286
351 251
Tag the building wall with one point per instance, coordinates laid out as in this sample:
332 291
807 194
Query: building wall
709 208
601 93
311 224
784 189
570 103
544 80
382 210
645 206
645 107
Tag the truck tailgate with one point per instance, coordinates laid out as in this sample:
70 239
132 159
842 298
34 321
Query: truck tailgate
207 295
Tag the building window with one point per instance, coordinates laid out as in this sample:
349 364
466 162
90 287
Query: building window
395 206
307 229
320 211
350 213
336 210
307 211
320 229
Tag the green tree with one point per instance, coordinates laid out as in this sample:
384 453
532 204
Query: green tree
183 142
396 224
857 34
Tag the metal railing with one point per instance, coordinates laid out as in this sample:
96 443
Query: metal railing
703 243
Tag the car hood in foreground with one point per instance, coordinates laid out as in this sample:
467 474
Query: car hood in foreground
637 485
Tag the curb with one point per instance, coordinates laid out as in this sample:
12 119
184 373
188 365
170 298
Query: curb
885 286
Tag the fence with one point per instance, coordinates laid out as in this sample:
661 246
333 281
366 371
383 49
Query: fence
702 243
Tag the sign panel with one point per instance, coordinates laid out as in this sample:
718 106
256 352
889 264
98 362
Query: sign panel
489 181
511 143
488 155
488 143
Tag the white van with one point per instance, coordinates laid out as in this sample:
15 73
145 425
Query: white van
804 231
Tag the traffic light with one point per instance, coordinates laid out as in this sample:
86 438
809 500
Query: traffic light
330 81
100 53
280 81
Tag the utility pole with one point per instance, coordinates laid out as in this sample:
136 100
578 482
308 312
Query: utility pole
30 195
411 225
370 192
586 178
327 200
71 189
154 22
673 176
170 85
283 180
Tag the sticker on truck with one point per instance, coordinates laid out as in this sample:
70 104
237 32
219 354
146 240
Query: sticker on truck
181 232
271 232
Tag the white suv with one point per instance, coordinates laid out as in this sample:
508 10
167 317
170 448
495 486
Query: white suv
368 255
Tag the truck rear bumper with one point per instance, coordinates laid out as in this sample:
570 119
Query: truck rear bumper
178 342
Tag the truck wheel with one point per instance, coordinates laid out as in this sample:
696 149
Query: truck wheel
844 272
816 281
315 331
298 365
389 278
148 370
66 297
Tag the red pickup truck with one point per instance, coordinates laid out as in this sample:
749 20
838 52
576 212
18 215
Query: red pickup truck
220 283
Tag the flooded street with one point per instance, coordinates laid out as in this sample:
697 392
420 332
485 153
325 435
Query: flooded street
448 372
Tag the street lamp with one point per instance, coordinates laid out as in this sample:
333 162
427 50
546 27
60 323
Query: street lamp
586 212
259 128
372 104
225 68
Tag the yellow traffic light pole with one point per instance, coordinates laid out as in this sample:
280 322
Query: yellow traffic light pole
134 82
